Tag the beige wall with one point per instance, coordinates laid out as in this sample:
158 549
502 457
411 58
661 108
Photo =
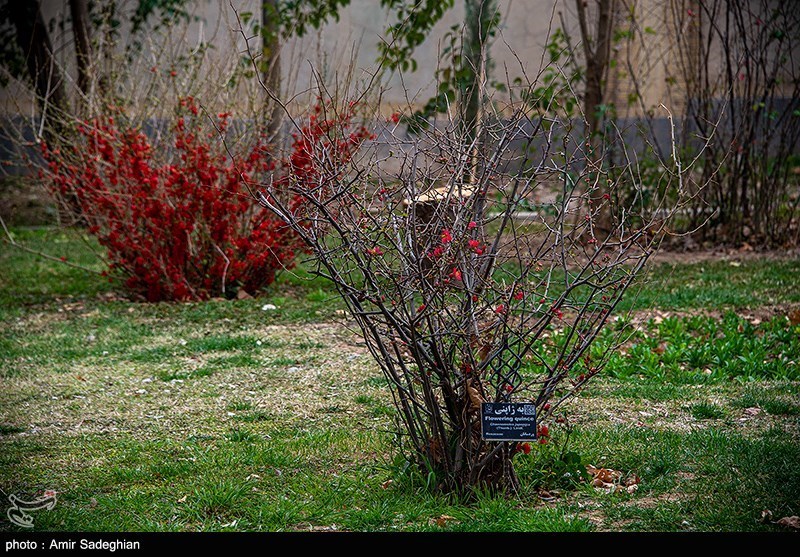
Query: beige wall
350 44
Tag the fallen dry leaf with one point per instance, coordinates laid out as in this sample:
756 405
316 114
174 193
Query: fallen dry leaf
753 411
612 480
632 480
242 294
441 521
790 522
545 495
607 475
386 484
182 499
474 396
794 317
766 515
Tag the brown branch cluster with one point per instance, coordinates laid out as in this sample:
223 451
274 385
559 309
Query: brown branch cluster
475 279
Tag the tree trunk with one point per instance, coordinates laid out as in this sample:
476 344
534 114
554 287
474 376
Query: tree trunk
79 10
271 65
478 16
597 52
34 41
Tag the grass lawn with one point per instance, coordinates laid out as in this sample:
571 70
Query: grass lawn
226 416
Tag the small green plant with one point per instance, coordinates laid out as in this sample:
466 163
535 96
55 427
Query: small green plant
237 435
555 465
707 411
239 405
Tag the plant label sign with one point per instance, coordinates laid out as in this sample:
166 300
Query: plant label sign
508 421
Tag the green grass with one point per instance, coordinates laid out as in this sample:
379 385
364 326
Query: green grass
779 402
717 284
295 480
301 297
187 416
707 411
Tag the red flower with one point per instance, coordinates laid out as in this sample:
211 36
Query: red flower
543 431
546 407
472 224
375 251
436 252
500 310
519 294
421 308
526 448
543 440
395 117
476 246
446 236
509 388
455 273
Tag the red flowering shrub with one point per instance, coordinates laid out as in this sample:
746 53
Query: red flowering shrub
179 222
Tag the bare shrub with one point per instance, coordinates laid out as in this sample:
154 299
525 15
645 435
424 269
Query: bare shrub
473 270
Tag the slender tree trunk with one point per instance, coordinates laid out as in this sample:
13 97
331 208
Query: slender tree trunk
79 10
271 64
478 16
33 39
597 53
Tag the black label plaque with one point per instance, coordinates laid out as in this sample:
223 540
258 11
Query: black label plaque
508 421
